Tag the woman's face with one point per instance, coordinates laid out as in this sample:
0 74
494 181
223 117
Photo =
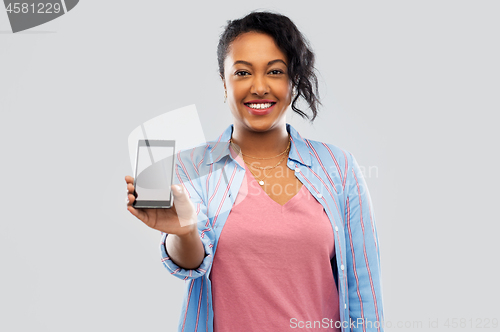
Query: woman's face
258 88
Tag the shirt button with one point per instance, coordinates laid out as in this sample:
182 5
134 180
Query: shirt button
342 267
336 229
319 195
345 306
297 170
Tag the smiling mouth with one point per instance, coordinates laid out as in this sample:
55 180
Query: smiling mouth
259 106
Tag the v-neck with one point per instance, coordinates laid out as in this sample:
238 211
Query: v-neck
248 173
283 207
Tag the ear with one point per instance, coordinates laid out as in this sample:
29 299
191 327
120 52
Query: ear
223 81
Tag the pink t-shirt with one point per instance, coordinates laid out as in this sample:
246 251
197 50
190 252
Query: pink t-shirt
271 270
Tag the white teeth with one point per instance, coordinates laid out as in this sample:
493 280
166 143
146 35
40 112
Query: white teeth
260 105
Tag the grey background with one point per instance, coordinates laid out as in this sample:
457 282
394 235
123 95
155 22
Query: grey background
410 88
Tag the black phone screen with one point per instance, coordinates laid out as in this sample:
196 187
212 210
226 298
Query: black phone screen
154 173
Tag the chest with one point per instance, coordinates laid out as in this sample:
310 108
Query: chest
285 186
280 183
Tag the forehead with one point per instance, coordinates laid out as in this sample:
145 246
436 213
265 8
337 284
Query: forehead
254 47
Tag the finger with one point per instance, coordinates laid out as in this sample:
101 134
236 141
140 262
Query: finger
130 188
131 199
139 214
129 179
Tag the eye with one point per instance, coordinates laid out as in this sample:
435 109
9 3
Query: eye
242 73
276 72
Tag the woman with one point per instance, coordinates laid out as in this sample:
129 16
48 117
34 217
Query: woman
299 247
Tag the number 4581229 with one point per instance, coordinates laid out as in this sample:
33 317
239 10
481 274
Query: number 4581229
471 323
39 8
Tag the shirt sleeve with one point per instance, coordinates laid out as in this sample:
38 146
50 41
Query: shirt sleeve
362 255
190 183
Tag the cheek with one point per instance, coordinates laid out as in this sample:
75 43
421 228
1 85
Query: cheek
234 95
283 87
236 90
285 92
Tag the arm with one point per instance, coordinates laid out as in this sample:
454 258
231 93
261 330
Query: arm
363 256
190 255
186 250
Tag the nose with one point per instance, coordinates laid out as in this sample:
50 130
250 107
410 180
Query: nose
259 85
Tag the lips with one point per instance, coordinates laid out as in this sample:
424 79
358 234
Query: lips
260 106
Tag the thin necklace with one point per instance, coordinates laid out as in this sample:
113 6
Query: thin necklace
261 181
239 150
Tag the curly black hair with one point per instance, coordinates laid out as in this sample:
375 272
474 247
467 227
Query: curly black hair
290 41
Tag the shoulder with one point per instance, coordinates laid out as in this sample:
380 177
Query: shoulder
193 155
199 160
326 153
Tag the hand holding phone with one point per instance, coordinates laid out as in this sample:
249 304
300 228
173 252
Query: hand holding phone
180 219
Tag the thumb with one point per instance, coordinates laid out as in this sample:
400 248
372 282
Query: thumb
177 190
183 205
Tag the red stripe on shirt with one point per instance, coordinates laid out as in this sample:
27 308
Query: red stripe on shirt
335 161
295 146
225 191
192 161
323 167
208 190
199 306
364 250
354 261
345 172
187 304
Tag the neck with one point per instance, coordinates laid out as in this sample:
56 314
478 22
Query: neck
260 144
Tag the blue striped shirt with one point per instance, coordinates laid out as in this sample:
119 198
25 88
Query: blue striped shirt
212 179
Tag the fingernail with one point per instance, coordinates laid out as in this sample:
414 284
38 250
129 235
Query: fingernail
178 188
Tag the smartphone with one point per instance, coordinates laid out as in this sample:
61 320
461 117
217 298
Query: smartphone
154 170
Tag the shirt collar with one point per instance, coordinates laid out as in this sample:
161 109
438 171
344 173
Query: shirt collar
299 150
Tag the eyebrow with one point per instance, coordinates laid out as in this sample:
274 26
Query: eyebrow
249 64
